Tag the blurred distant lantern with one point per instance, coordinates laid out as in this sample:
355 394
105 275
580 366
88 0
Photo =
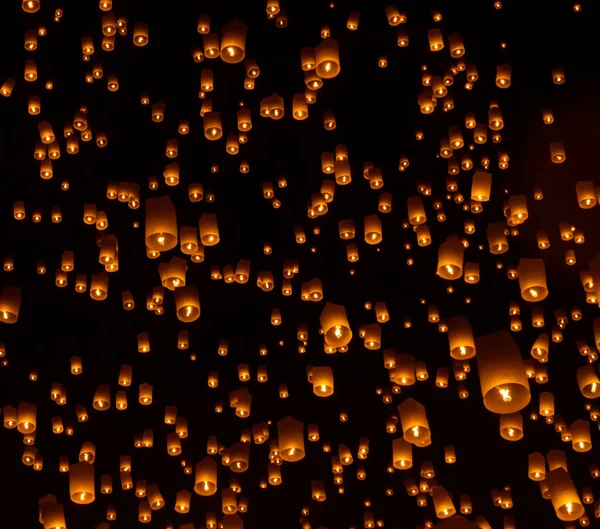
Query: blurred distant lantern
457 48
503 75
31 6
10 304
436 39
558 75
586 195
557 152
442 502
140 34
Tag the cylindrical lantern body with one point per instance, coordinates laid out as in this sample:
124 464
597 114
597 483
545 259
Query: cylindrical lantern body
504 384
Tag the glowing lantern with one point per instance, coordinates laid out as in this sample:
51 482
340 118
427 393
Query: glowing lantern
233 42
503 75
209 230
161 224
415 426
511 426
557 152
588 382
81 483
140 34
586 194
436 39
327 59
335 325
187 303
442 502
532 279
460 337
10 304
416 211
450 259
504 385
564 496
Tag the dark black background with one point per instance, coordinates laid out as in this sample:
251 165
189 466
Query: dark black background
377 114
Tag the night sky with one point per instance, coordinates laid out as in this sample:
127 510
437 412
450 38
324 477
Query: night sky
379 121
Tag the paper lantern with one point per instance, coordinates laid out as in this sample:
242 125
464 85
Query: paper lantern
581 437
511 426
457 48
99 286
564 496
503 75
26 418
140 34
416 211
504 385
81 483
436 39
557 152
588 382
415 427
327 59
586 194
442 502
373 230
10 304
209 230
322 381
401 454
187 303
335 325
233 42
532 279
460 337
161 224
450 259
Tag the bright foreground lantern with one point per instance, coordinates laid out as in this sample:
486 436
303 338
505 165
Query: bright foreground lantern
504 384
187 303
81 483
10 304
327 56
532 279
460 337
161 224
335 325
564 496
291 439
450 258
206 477
415 425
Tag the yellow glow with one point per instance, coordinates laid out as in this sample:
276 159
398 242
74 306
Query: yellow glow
505 392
